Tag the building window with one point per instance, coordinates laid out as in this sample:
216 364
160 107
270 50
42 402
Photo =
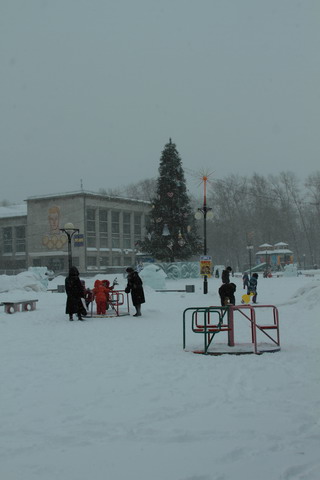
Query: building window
115 216
7 240
20 239
126 230
103 228
104 262
137 226
56 264
91 228
91 262
116 261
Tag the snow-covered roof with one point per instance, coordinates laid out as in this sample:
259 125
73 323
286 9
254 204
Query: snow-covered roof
265 245
13 211
275 251
280 244
87 192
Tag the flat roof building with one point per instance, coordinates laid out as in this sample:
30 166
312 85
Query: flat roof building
109 229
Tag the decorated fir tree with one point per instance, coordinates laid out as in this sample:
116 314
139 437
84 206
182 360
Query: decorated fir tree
171 232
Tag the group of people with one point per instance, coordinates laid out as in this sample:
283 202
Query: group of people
228 289
79 297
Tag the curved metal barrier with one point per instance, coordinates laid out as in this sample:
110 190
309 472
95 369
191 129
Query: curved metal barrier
117 299
212 320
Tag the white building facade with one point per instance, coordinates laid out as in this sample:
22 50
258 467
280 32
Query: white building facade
109 230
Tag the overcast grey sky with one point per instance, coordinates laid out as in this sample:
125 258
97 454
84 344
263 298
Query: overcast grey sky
93 89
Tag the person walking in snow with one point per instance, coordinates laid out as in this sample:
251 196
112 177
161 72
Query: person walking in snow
134 286
225 277
245 279
252 288
75 293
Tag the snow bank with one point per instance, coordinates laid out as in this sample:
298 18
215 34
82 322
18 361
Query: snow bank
118 398
35 279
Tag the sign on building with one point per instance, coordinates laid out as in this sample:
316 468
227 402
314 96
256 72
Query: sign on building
78 240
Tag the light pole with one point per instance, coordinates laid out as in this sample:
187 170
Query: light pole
250 248
204 212
69 230
266 264
250 236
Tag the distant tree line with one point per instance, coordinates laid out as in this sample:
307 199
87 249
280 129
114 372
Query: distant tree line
257 210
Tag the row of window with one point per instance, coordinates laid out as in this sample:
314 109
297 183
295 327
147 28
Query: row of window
14 239
97 223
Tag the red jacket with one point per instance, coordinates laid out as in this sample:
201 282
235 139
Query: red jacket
100 292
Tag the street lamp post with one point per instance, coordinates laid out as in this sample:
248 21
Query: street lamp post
204 212
267 264
69 230
250 248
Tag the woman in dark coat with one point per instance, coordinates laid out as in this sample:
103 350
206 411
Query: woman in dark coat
134 286
75 292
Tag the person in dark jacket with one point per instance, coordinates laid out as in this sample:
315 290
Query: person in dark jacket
252 287
75 293
134 286
226 292
225 277
245 279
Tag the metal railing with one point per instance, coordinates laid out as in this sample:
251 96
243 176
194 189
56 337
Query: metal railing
209 321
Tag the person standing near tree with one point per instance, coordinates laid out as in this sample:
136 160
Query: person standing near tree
134 286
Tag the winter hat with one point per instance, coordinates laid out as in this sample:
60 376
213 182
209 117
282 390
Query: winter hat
129 270
73 271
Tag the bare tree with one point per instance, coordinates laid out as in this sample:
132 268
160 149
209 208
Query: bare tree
143 190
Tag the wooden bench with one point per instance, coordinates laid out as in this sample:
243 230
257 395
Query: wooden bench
17 305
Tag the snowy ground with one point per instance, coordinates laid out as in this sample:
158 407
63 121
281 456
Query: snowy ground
119 398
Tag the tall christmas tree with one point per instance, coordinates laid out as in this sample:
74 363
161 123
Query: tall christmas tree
171 232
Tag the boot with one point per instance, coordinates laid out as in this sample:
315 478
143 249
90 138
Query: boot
138 311
71 318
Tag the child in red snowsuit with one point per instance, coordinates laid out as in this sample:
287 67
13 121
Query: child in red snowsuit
101 295
106 284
